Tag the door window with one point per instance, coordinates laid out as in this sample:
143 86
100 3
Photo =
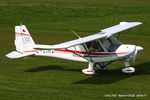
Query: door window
94 46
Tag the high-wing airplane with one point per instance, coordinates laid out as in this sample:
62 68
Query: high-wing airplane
99 50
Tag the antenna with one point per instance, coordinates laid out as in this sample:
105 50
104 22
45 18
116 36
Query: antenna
75 33
20 23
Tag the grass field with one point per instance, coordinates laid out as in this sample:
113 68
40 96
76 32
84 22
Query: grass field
49 22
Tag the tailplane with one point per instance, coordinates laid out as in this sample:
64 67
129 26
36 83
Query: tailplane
23 42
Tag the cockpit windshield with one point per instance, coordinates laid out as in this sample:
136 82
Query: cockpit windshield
111 44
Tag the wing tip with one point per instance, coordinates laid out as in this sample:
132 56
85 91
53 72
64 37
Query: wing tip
123 23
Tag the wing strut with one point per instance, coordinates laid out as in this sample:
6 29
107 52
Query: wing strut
125 34
78 54
87 52
91 60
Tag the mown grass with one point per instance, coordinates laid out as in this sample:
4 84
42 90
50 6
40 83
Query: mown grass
50 21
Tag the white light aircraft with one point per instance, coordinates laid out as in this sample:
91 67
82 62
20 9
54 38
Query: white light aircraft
99 50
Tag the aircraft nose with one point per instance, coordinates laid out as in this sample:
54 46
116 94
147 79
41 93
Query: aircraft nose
139 48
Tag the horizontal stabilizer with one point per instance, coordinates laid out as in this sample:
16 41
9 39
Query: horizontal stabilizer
16 54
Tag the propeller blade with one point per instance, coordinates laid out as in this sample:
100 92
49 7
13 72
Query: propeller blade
134 56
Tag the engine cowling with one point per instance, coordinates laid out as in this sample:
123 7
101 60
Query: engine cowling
128 70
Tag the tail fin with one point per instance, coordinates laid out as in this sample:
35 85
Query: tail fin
23 42
23 39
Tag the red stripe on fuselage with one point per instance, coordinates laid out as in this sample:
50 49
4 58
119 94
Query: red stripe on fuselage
30 51
90 53
22 33
130 70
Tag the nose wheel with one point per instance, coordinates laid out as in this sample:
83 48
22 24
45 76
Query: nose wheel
128 69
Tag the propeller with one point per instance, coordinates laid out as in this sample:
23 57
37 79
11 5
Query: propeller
134 55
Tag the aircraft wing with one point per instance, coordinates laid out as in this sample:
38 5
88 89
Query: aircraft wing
73 42
120 27
104 33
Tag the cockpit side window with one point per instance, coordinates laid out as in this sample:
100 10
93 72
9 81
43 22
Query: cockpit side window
94 46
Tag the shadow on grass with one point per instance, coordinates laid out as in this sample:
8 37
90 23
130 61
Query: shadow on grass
50 67
101 77
111 76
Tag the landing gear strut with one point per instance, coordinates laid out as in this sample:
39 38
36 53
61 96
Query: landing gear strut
102 66
98 66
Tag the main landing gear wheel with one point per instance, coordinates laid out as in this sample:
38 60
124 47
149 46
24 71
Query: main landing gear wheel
90 70
98 66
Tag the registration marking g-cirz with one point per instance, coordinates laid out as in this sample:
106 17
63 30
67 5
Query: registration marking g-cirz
44 51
